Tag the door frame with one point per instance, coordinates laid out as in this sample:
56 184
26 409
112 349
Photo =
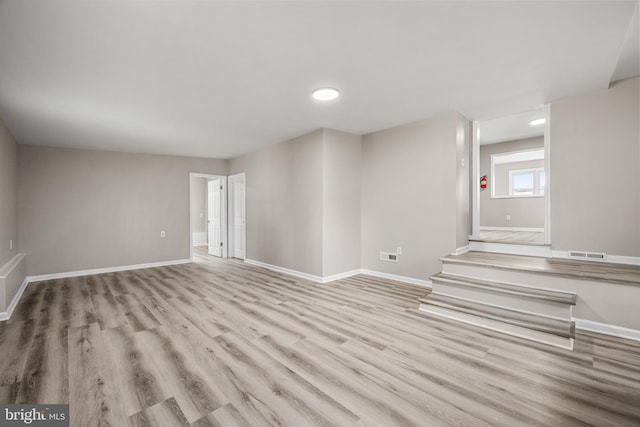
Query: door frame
232 195
223 211
475 178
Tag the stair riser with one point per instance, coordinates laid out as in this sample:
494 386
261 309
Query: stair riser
538 280
603 302
501 299
499 326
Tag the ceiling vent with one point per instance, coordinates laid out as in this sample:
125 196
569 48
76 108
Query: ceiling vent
588 256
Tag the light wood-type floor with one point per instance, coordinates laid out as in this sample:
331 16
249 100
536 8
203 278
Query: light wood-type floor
221 343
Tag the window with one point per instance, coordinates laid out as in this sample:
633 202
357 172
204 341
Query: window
526 182
517 174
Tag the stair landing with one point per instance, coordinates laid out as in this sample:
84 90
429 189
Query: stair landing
602 271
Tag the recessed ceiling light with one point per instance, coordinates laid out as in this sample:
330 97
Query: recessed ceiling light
535 122
325 94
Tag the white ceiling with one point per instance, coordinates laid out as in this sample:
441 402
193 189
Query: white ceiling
218 79
511 127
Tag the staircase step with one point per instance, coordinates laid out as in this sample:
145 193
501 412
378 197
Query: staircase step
576 269
562 297
515 297
495 325
537 322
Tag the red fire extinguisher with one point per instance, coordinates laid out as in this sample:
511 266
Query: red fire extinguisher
483 182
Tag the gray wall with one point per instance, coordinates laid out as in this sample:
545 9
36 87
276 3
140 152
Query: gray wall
595 181
340 202
409 195
284 203
199 206
82 209
8 195
525 212
463 178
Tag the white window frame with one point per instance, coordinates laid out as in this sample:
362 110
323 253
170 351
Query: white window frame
537 191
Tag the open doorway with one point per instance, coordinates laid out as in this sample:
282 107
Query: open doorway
511 179
208 215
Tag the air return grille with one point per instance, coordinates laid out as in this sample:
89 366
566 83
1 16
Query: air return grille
589 256
388 256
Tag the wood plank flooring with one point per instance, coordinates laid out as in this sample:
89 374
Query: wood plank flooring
222 343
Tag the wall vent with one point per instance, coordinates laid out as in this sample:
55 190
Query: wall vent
388 256
589 256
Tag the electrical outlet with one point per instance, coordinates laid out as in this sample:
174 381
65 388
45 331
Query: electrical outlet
399 250
163 234
508 217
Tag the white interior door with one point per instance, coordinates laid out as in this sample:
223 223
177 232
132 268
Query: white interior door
239 219
214 188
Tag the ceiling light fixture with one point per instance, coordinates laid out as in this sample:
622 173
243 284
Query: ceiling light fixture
536 122
325 94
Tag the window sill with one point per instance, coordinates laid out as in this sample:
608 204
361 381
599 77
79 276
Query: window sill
517 197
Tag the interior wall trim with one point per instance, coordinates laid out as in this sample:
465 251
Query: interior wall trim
338 276
12 277
461 250
200 238
607 329
6 315
531 229
331 278
8 267
284 270
397 278
77 273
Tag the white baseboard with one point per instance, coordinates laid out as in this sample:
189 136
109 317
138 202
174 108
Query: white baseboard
616 259
284 270
397 278
462 250
199 238
331 278
327 279
5 315
529 229
7 268
607 329
105 270
12 277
